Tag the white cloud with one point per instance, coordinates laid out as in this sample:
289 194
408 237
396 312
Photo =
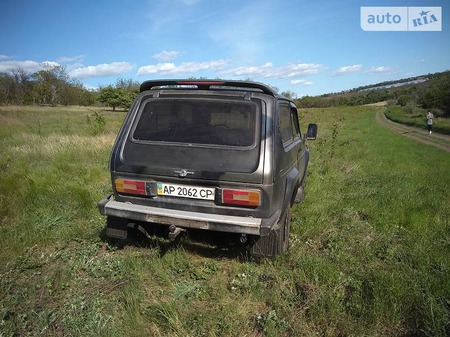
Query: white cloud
4 57
381 70
347 70
267 70
28 66
73 59
212 68
166 55
302 82
182 69
157 68
298 69
252 71
111 69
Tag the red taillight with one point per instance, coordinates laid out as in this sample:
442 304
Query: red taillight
241 197
130 186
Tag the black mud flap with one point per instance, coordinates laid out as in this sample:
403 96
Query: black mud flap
116 228
267 246
276 242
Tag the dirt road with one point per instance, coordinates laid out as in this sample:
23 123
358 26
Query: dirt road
438 140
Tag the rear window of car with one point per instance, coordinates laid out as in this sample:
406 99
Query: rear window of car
199 121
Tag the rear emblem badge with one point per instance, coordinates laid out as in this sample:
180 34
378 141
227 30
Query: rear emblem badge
183 173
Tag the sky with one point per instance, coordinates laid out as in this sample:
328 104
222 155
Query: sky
302 46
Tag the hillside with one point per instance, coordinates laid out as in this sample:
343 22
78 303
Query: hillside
430 91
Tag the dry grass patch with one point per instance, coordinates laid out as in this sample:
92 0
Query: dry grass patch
53 144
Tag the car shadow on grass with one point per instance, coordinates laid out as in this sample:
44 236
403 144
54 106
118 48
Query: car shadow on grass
203 243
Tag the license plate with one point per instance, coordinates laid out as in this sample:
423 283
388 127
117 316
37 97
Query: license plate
185 191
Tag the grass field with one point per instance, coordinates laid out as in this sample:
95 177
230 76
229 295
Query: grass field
368 249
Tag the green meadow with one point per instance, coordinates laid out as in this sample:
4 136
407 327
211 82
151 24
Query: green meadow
368 255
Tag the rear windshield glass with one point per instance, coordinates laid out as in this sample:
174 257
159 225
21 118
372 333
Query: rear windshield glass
211 122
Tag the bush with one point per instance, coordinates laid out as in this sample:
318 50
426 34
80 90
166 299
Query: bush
403 100
97 123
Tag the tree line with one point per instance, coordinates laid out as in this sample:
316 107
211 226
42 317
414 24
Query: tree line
49 86
52 86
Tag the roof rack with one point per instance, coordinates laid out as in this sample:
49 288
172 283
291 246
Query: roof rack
207 85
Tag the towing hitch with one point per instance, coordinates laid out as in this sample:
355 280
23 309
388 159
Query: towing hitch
174 231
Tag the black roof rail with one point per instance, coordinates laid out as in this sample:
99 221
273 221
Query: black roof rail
203 84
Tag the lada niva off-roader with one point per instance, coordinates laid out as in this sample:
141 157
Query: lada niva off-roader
211 155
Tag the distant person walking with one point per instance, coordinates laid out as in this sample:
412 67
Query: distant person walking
429 121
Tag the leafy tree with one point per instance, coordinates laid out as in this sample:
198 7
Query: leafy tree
15 86
128 85
113 97
74 93
6 88
403 100
122 94
130 89
22 85
50 84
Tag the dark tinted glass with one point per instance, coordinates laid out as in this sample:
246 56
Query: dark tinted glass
197 122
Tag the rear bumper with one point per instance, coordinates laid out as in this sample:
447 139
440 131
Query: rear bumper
186 219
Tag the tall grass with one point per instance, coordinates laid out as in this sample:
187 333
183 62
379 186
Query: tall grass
385 224
368 253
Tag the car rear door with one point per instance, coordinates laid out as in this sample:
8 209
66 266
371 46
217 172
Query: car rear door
205 137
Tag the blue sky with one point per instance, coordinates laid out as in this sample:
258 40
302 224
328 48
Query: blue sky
306 47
